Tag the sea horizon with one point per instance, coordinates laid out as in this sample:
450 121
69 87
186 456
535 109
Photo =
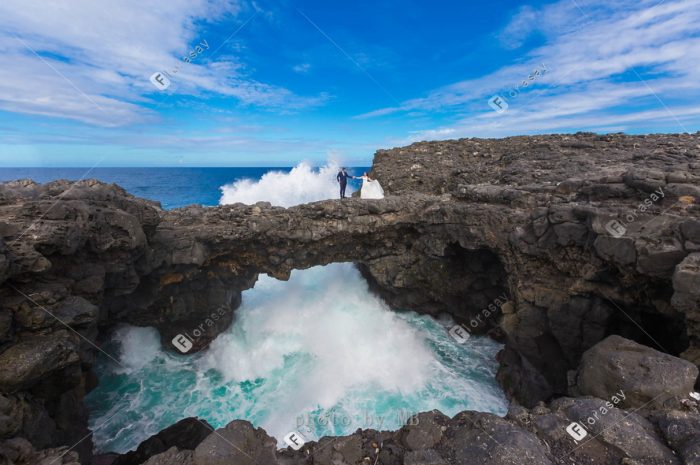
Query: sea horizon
176 187
377 233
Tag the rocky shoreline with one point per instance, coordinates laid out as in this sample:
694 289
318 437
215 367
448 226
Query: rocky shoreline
586 237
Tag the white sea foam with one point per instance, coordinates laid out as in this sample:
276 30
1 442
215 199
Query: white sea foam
300 349
138 348
327 317
302 184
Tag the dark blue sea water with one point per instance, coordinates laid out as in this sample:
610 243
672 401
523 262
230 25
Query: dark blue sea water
173 187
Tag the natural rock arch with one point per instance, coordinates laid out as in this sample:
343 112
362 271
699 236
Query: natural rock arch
214 254
531 211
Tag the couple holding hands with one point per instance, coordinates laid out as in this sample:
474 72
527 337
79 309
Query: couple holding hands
371 189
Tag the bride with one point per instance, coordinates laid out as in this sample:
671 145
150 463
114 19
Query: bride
371 189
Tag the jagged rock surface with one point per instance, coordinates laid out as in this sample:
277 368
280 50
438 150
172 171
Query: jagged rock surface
536 436
653 435
186 434
465 224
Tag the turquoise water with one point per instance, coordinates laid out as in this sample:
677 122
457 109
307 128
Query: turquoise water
317 354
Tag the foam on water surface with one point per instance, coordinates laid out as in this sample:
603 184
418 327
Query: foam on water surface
317 354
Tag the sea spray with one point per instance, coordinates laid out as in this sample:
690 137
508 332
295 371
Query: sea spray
317 343
302 184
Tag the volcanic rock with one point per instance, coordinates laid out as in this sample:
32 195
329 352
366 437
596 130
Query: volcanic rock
648 378
570 230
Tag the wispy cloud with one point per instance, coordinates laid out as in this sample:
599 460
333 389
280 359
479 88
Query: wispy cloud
91 61
609 65
302 68
523 24
277 82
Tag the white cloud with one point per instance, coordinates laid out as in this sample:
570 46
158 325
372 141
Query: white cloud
302 68
596 54
91 60
520 27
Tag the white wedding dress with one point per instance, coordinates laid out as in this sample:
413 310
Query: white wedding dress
371 189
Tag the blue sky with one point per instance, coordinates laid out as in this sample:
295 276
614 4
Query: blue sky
277 82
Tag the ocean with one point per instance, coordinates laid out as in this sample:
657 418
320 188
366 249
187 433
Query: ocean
179 187
297 358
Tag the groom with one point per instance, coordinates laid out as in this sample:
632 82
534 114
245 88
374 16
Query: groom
343 180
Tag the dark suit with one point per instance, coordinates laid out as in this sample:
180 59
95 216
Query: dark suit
343 180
